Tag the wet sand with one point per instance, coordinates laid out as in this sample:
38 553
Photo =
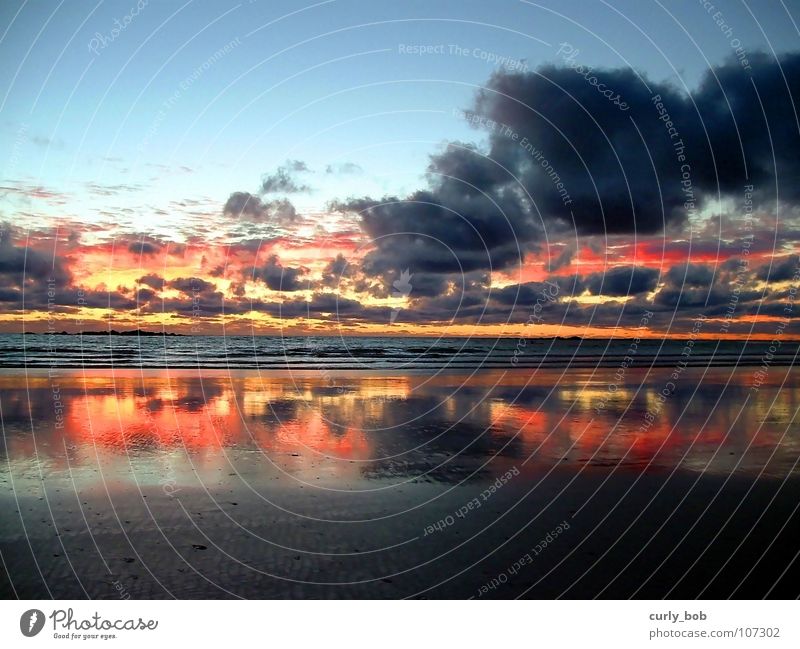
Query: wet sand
150 484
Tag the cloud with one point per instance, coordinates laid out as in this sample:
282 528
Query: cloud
622 281
564 259
752 126
781 269
326 306
555 160
334 272
561 158
250 208
191 285
587 165
690 275
344 168
244 204
24 263
144 295
153 281
143 248
464 221
282 211
284 181
277 277
700 285
623 170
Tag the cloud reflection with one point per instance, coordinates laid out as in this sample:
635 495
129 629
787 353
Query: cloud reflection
442 428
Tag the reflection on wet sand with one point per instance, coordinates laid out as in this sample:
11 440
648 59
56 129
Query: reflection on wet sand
366 424
239 485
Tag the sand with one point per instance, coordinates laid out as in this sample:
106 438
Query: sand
151 484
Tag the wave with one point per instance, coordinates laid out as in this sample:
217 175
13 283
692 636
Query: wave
355 353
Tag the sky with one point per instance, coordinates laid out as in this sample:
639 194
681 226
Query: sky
400 168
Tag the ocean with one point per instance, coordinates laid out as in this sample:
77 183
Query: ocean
328 353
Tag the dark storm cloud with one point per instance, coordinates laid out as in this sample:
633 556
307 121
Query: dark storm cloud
23 264
38 280
700 286
145 246
619 169
753 126
153 281
579 155
689 286
73 297
326 306
562 157
27 275
284 179
620 282
782 269
528 293
277 277
456 226
201 305
420 285
191 285
465 162
199 299
687 297
54 298
690 276
335 271
143 295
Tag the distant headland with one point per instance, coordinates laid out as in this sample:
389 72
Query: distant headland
111 332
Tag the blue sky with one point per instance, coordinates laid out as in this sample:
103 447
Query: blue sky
321 82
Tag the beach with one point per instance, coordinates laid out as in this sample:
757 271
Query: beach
554 483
